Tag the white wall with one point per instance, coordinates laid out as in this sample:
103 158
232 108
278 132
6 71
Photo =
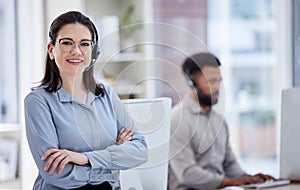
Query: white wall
31 47
284 42
56 7
284 53
34 18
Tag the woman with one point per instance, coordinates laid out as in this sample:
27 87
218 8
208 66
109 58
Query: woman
78 131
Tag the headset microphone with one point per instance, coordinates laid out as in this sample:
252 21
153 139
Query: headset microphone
91 64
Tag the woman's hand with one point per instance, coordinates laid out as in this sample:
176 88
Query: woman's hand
59 158
124 135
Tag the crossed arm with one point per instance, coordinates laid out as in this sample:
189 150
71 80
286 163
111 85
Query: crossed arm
58 158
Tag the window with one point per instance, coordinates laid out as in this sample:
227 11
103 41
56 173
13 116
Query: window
246 50
181 32
242 34
8 63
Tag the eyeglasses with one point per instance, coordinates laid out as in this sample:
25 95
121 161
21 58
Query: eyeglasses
67 45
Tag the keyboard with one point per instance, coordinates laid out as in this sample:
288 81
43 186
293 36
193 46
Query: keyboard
266 184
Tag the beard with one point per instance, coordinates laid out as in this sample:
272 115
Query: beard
207 100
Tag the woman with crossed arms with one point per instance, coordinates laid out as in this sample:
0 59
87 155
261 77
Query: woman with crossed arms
79 133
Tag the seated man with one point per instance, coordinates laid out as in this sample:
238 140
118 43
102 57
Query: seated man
201 156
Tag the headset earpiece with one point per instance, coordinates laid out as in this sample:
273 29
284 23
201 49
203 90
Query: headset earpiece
96 49
95 52
191 83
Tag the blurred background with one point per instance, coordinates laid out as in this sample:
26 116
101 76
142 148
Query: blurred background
143 44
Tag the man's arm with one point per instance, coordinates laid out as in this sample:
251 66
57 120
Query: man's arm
183 160
235 176
190 174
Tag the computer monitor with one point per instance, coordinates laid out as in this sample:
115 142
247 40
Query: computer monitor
152 118
289 154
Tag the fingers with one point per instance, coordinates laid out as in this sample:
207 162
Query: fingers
266 177
52 154
262 178
52 162
257 179
62 165
124 135
48 153
271 178
128 133
248 179
56 158
121 133
57 162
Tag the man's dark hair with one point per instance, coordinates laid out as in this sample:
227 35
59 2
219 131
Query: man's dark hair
197 61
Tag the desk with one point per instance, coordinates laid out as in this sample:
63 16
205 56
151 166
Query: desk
292 186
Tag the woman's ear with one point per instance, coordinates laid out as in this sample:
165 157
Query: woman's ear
50 51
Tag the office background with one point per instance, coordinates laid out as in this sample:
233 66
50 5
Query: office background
257 42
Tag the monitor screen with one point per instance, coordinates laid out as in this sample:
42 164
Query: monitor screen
152 118
289 154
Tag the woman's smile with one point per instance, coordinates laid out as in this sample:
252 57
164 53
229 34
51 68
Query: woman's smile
75 61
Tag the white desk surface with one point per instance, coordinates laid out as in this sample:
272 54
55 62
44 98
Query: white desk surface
292 186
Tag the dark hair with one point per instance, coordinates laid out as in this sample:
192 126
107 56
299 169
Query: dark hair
52 80
196 62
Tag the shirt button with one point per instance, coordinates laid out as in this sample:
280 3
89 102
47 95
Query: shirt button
109 177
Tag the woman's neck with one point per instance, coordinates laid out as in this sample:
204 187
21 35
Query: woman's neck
75 86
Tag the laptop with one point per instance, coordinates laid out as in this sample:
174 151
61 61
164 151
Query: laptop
289 154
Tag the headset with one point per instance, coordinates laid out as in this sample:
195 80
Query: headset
195 62
190 82
96 49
